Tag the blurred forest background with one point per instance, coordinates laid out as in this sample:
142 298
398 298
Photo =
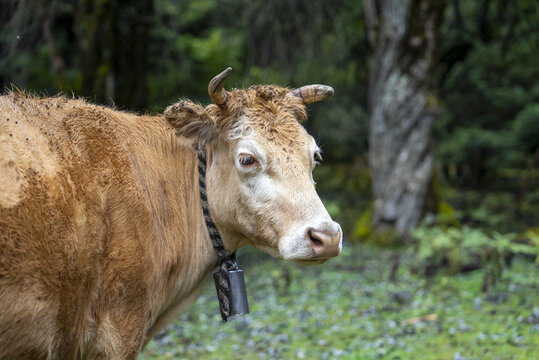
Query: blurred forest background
462 73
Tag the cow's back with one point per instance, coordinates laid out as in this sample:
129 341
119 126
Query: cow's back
59 161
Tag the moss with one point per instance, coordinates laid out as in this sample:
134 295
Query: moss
432 100
365 232
364 227
447 215
387 237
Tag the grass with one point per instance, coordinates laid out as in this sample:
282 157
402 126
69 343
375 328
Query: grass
349 309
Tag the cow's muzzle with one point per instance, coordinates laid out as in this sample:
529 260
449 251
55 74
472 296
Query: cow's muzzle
325 240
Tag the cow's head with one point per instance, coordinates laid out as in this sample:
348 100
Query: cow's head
260 185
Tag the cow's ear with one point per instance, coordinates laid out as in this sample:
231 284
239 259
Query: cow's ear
192 121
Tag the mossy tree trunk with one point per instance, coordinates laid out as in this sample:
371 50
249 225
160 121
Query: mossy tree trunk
403 105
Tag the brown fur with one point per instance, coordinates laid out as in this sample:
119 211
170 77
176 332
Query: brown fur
102 238
102 223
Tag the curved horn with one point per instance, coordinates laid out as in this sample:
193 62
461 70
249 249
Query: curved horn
313 93
216 89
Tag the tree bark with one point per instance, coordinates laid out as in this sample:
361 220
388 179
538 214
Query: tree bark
403 106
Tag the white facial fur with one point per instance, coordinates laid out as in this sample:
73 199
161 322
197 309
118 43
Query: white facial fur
287 205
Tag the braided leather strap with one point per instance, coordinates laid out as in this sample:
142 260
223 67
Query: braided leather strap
223 292
226 261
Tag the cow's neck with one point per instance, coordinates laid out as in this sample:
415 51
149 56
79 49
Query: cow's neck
183 253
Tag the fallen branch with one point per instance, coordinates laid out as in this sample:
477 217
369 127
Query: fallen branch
415 320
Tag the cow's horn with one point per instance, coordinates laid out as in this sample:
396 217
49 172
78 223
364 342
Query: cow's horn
313 93
216 89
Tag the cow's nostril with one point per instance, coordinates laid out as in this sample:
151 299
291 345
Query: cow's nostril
325 242
311 235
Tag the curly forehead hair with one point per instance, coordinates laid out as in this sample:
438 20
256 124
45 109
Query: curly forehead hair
266 105
269 92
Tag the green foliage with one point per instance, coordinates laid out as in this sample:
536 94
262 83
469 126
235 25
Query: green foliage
489 89
526 128
341 129
502 211
532 236
465 248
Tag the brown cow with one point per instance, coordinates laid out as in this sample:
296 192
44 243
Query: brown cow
102 236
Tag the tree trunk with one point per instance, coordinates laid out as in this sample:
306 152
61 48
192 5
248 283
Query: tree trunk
114 58
403 106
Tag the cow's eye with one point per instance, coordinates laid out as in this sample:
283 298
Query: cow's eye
247 160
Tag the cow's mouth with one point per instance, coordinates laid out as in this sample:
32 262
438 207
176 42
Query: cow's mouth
304 258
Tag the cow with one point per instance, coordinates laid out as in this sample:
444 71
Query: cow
102 235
